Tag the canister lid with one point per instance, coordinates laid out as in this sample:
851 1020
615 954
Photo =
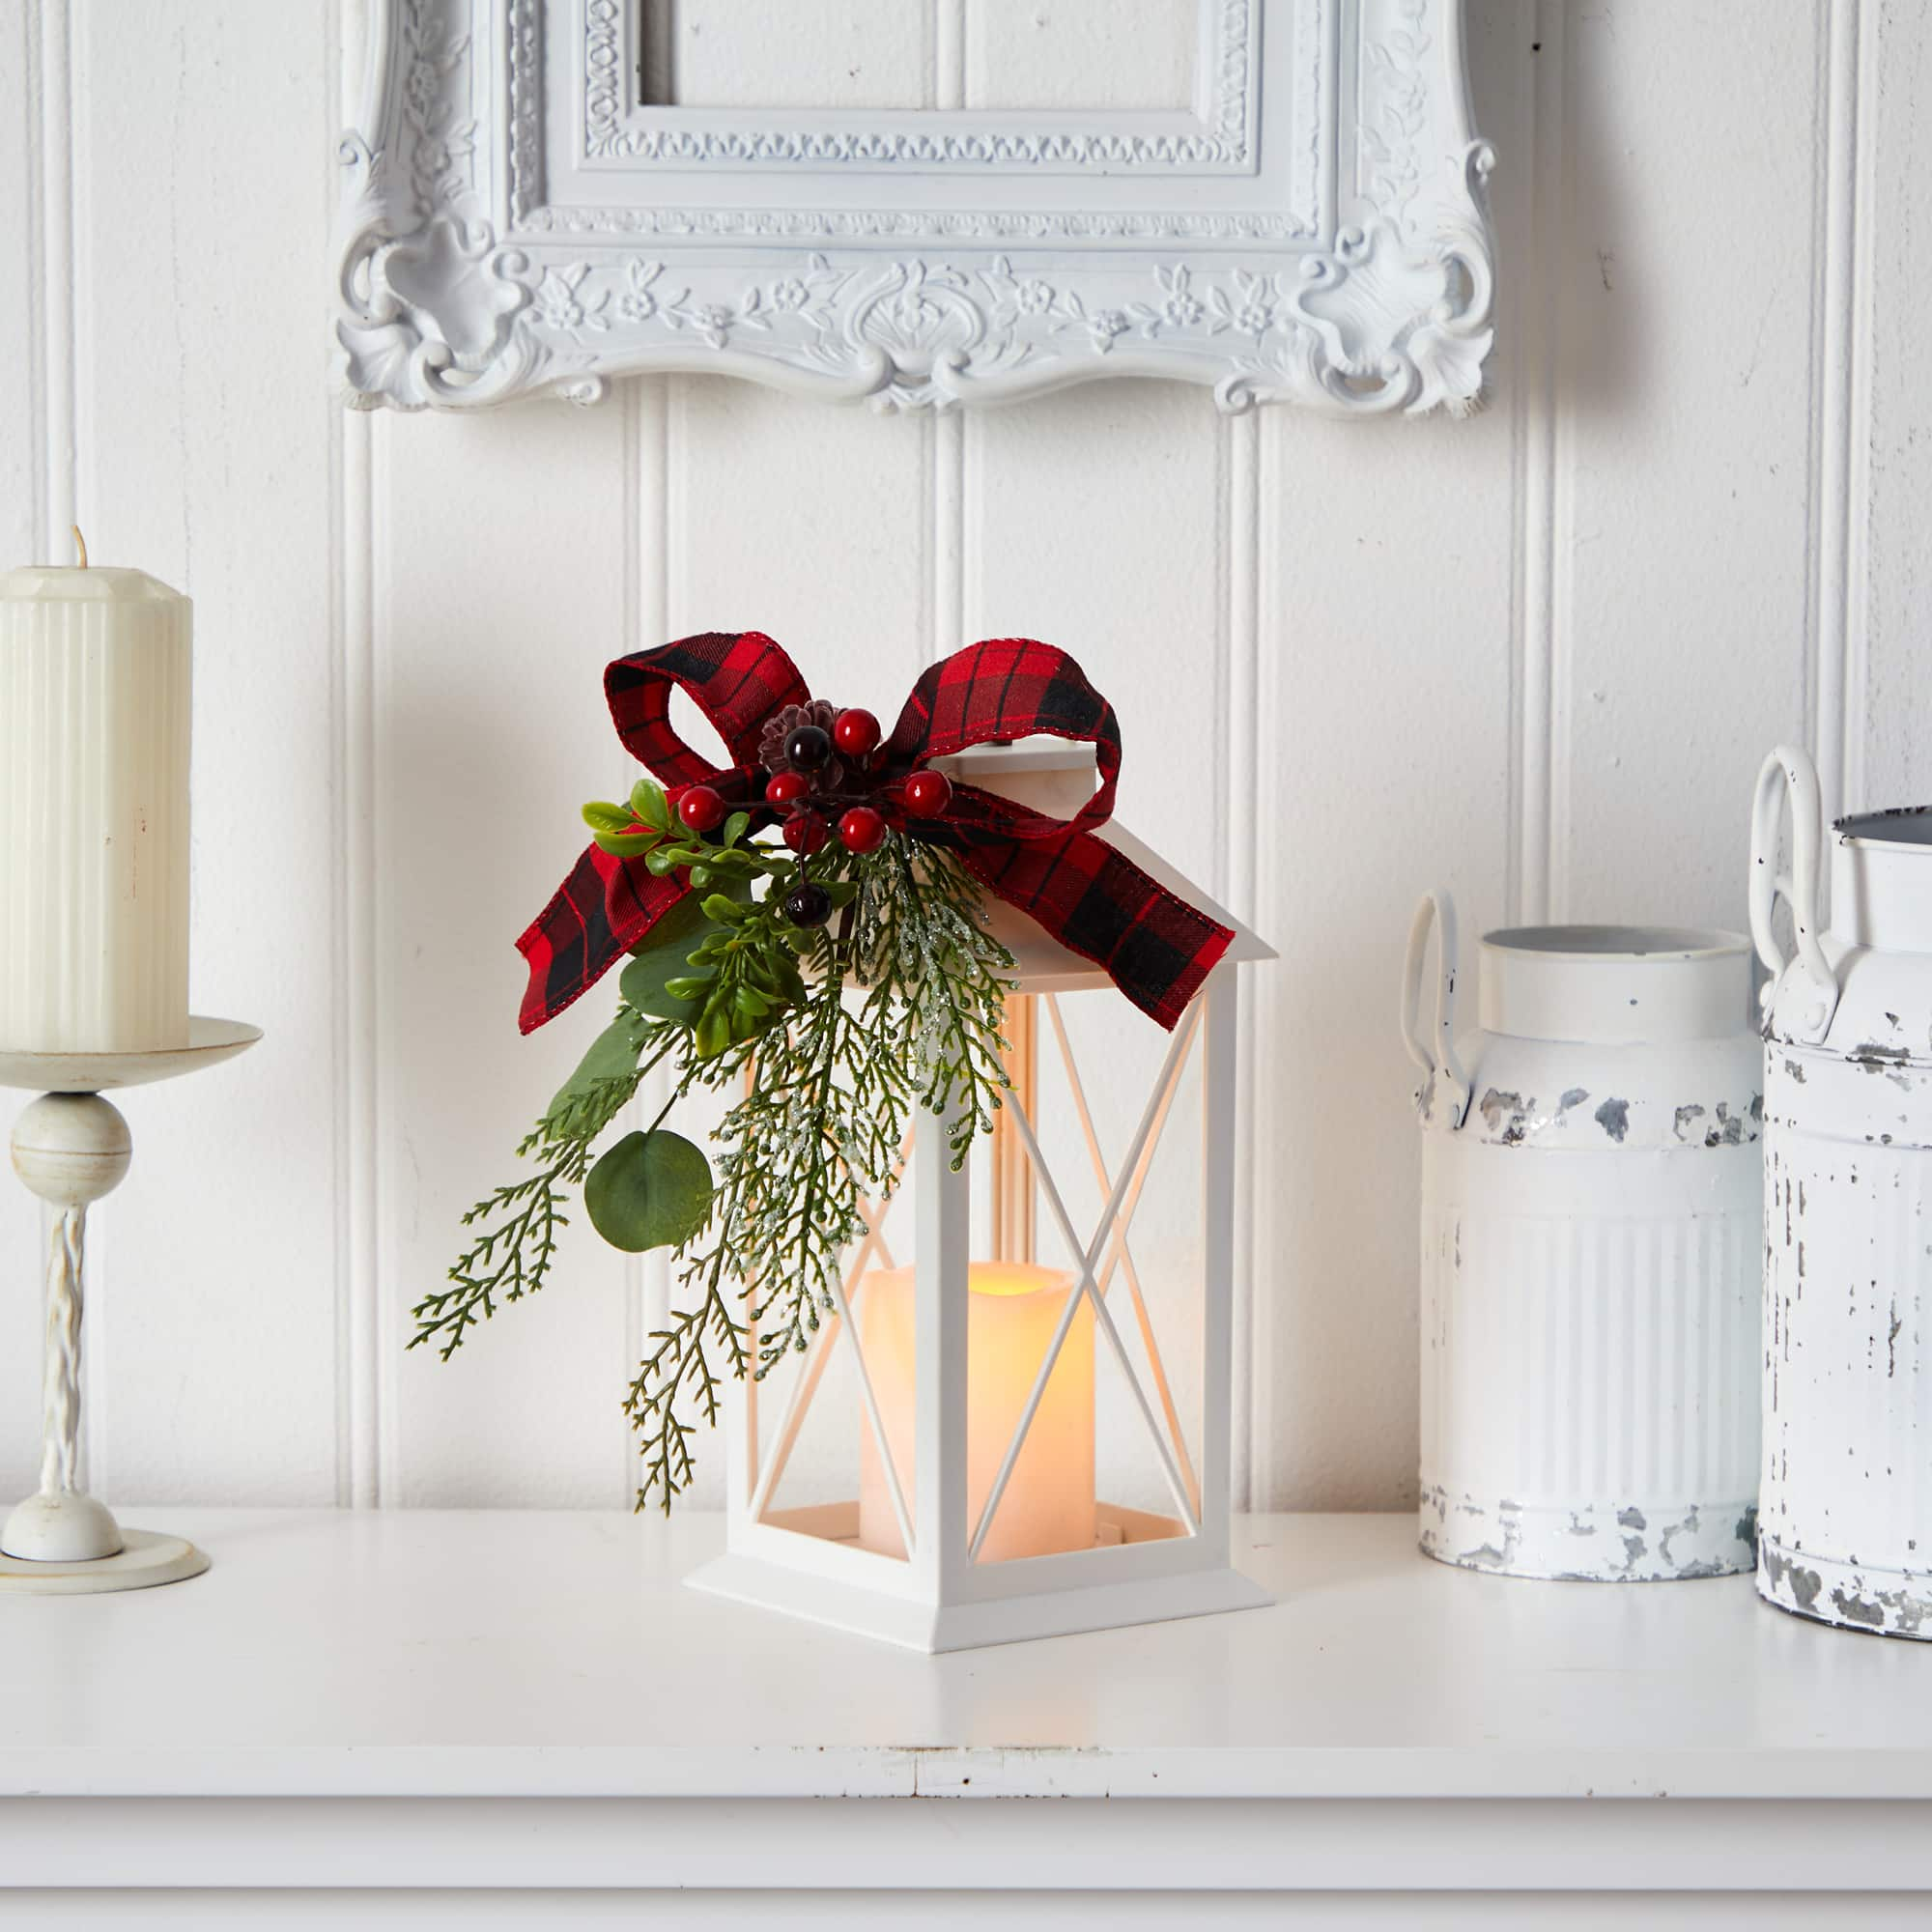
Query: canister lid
1896 825
1615 984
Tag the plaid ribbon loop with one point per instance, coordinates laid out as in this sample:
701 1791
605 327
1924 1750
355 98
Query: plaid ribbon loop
1155 946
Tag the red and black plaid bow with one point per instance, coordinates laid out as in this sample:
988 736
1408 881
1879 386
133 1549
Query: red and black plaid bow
1156 948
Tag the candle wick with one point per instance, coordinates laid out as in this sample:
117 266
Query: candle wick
80 545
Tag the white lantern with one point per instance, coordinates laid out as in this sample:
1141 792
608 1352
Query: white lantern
982 1445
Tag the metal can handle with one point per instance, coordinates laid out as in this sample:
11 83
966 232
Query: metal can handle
1790 773
1438 909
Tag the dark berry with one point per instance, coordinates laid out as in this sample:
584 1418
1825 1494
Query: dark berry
809 748
787 787
928 794
805 831
807 904
862 830
854 733
700 808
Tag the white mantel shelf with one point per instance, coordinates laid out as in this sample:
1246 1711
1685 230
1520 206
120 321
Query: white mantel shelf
546 1673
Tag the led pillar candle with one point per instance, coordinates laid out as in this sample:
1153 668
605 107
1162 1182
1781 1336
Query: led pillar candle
1012 1312
94 766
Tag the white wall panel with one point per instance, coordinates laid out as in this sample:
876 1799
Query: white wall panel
497 609
22 402
1536 655
1382 763
24 454
1889 627
1682 508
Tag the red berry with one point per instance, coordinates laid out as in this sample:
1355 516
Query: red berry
784 788
700 808
862 830
805 831
854 733
928 794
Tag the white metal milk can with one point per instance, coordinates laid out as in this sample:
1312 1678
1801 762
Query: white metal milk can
1592 1204
1846 1532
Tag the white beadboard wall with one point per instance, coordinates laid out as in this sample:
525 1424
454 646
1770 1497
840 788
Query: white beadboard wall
1536 655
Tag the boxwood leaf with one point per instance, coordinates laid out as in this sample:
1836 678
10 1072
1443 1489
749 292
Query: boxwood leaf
601 815
625 844
647 802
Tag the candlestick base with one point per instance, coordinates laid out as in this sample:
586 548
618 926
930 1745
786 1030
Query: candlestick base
71 1147
68 1526
145 1558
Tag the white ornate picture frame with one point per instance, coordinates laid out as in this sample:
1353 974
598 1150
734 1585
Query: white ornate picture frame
518 220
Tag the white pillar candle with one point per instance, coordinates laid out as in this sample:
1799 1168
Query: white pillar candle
1011 1314
93 764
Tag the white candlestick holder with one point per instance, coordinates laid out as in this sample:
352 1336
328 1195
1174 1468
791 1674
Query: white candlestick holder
69 1147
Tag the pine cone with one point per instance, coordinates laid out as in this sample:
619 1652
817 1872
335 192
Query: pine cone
779 726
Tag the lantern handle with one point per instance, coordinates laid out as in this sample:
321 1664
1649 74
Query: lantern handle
1789 773
1434 908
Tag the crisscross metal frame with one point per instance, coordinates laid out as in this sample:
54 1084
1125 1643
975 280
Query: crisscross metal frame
1105 1254
766 1471
1109 1235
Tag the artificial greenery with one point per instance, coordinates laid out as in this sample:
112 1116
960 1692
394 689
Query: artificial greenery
834 1032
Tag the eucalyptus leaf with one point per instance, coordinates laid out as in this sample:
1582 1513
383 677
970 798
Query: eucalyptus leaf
649 1191
613 1055
665 955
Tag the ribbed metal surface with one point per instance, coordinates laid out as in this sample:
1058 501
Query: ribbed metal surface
1590 1330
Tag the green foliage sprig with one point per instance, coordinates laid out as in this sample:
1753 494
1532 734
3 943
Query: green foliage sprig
838 1033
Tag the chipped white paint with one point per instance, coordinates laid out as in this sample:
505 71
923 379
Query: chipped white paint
1847 1493
1590 1207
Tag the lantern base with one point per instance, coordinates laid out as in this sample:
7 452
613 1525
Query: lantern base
935 1628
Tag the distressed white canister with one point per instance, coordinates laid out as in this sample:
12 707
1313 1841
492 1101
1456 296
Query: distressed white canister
1846 1532
1591 1213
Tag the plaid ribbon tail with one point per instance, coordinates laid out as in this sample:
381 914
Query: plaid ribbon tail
594 917
1154 947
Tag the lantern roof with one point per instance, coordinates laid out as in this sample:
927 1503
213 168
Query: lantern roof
1054 775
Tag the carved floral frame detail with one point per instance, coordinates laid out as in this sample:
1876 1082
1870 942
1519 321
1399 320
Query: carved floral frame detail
461 284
